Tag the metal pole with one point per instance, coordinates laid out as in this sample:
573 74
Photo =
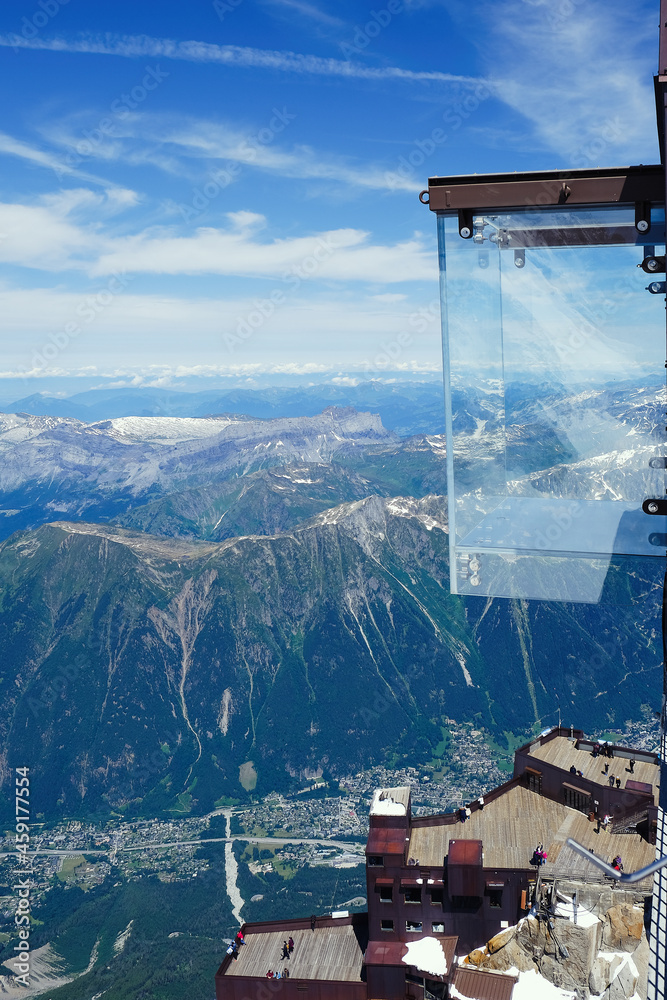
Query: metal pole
657 978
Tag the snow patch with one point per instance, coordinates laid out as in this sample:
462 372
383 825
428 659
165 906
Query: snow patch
384 804
402 507
533 986
427 956
584 917
409 507
626 959
163 430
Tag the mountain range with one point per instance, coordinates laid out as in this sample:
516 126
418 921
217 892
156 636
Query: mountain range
149 671
230 606
405 407
54 466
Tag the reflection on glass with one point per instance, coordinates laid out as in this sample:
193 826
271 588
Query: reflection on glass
554 366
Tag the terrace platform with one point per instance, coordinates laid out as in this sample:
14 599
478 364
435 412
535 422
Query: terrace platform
564 754
512 824
332 952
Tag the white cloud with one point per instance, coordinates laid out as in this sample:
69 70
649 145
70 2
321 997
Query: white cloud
61 231
231 55
244 220
339 254
156 376
122 198
56 326
46 236
36 236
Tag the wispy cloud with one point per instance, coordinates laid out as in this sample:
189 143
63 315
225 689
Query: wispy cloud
213 141
183 147
142 46
578 72
309 11
10 146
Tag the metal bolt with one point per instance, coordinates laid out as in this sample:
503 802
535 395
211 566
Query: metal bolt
465 232
642 226
652 264
652 507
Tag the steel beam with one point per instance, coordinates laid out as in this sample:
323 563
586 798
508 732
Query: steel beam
603 186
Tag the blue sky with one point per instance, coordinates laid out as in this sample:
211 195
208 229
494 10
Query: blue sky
232 186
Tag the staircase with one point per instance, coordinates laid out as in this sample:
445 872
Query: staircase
629 823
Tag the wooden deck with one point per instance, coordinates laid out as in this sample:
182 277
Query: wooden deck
325 953
561 753
511 826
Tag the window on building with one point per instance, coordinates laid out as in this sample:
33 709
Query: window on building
413 894
436 896
438 928
386 894
576 799
534 780
495 897
386 925
375 861
413 926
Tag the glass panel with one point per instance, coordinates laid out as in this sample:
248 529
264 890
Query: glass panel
554 355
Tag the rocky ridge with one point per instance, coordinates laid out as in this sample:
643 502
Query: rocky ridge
603 954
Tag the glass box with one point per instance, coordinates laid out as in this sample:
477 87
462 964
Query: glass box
554 367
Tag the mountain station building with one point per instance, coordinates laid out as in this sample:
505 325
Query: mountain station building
440 886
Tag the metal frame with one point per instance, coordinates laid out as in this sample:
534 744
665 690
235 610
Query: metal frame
628 878
612 185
